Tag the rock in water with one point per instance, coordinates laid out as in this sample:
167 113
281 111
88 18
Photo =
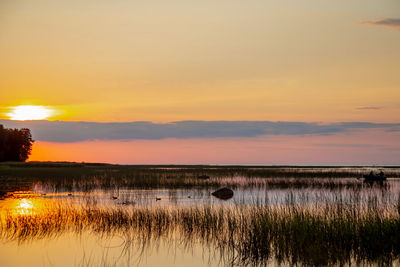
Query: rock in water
223 193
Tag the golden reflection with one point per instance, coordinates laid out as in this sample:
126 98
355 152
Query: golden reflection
24 204
24 207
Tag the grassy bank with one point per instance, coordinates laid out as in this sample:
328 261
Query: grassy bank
83 176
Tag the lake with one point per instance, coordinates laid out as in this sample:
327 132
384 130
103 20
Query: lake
105 217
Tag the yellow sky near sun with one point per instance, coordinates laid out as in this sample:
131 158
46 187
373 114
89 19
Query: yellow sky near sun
201 60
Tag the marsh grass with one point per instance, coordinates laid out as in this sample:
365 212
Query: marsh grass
359 225
87 177
338 233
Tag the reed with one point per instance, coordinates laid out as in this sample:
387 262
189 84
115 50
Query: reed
338 233
359 225
86 177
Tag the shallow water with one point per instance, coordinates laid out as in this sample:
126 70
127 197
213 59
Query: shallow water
89 250
259 194
89 247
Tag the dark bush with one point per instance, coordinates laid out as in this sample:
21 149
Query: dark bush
15 144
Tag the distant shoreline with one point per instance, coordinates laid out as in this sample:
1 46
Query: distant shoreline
76 164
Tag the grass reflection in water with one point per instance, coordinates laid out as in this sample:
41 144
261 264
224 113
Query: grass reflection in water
323 233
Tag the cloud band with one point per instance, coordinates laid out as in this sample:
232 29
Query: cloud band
65 131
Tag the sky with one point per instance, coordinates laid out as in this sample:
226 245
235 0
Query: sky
214 82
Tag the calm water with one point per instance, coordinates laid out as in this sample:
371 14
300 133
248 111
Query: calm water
90 247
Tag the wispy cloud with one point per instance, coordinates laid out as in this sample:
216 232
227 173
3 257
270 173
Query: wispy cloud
65 131
369 108
392 23
345 145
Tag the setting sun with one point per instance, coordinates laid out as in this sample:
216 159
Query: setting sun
30 112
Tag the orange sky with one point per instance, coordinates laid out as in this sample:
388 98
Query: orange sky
231 60
368 147
201 60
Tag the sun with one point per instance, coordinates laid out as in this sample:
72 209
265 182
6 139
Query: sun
29 112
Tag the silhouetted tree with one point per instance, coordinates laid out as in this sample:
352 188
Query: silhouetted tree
15 144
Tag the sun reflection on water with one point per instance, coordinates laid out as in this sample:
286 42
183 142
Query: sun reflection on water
24 207
23 203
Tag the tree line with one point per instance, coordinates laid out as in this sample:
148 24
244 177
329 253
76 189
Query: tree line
15 144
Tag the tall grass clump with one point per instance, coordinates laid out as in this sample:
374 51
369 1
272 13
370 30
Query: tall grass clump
340 233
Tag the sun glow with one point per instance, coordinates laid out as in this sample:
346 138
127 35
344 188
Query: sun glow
24 203
24 207
29 112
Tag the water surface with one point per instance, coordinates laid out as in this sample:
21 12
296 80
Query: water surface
151 227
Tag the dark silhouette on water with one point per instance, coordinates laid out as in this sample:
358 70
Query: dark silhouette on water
372 177
223 193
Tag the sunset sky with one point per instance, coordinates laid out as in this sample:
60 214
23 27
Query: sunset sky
219 82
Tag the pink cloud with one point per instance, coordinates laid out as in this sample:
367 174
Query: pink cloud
373 146
392 23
